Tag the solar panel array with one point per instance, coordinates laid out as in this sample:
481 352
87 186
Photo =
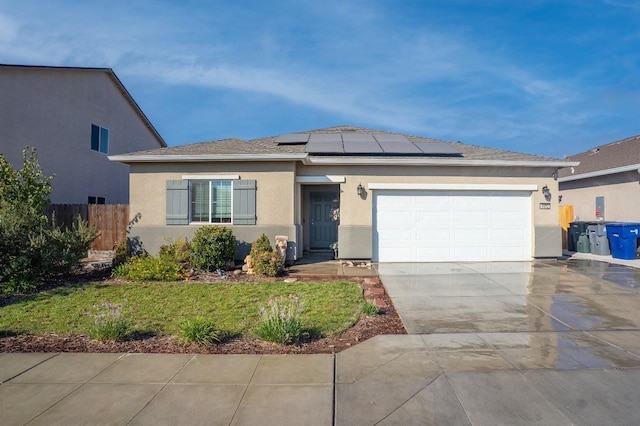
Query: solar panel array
365 144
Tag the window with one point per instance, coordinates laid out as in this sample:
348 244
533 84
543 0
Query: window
96 200
223 201
211 201
99 139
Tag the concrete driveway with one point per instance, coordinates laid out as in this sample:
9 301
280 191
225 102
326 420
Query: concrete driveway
574 295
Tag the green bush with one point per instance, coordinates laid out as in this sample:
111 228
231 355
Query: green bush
200 330
19 285
63 248
30 245
267 263
179 251
212 247
261 245
122 254
147 268
280 320
108 322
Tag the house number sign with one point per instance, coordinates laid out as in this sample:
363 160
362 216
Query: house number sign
545 206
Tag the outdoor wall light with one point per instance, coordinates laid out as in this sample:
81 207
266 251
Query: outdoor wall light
546 193
360 190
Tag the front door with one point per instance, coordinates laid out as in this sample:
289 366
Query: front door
324 229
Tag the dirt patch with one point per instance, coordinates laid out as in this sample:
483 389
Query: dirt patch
386 322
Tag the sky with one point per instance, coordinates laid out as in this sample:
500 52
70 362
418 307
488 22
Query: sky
547 77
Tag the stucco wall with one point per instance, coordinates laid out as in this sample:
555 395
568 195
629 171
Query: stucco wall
281 201
52 110
621 194
358 211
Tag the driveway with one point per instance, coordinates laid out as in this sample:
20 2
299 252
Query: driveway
554 296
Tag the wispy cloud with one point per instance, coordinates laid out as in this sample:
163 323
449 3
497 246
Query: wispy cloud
364 62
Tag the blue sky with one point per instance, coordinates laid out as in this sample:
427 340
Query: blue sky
535 76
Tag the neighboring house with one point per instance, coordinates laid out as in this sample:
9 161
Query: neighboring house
75 118
606 183
381 196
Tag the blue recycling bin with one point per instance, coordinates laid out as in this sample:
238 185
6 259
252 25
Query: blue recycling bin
623 239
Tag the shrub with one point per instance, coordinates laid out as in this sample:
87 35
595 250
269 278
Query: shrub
200 330
30 245
212 247
261 245
19 285
122 254
147 268
280 320
63 248
108 322
179 251
267 263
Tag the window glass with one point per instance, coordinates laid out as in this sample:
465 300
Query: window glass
104 140
200 201
221 202
95 137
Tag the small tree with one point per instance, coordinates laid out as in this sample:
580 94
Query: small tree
30 245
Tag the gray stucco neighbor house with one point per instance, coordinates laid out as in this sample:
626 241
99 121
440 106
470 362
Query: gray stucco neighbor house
383 196
605 185
75 118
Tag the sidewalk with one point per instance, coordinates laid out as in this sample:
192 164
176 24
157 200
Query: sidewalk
387 380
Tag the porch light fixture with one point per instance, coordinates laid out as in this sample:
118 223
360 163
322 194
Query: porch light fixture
360 190
546 193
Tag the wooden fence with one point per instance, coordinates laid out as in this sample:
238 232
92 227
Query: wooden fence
111 221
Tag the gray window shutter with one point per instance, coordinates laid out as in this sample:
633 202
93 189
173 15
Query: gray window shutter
244 202
177 202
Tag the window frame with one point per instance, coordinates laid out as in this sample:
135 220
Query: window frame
210 202
99 139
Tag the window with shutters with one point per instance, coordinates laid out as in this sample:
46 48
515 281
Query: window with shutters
221 201
211 201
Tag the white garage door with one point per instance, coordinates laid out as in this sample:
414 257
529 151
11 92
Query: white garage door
444 226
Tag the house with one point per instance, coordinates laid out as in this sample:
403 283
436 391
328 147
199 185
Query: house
606 183
382 196
75 118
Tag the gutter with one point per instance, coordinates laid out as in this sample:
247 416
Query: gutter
204 158
600 173
343 161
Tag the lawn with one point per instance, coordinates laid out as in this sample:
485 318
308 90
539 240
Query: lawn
329 308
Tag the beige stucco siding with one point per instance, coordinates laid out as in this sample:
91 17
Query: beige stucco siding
357 211
621 194
275 193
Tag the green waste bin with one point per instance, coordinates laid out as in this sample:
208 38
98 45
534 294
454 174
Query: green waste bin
583 245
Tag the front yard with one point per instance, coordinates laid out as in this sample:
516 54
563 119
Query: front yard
59 319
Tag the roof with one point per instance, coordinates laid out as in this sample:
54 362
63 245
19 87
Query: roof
114 78
268 149
614 157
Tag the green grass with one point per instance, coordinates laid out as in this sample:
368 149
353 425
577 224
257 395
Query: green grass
158 308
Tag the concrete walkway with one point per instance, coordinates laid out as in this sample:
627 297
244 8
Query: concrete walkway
559 345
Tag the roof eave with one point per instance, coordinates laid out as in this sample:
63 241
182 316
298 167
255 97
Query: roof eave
204 158
430 161
597 173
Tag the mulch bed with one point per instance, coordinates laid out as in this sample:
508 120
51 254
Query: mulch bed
386 322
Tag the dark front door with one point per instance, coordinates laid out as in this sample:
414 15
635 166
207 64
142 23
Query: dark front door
324 230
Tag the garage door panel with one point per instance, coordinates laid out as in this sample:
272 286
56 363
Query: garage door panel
418 226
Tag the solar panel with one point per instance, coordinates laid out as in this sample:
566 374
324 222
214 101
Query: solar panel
360 143
437 148
325 143
293 139
396 144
